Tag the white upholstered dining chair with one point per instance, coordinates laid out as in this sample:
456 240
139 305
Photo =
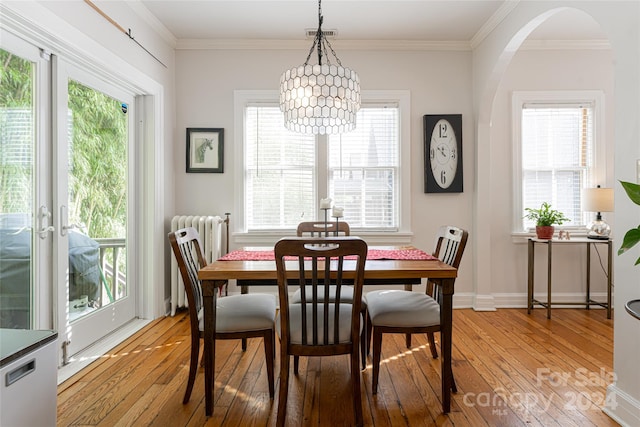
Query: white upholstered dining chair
407 312
318 325
237 316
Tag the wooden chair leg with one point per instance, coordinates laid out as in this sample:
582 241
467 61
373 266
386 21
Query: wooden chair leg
244 344
432 345
377 349
363 343
284 390
355 384
273 339
369 327
408 340
268 355
193 369
296 362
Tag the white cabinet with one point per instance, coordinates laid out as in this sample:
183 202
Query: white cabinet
28 372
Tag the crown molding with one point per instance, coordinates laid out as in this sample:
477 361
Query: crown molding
378 45
493 21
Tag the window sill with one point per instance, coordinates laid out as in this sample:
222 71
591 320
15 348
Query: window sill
269 238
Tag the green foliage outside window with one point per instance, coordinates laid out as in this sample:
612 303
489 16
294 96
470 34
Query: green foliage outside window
98 151
98 174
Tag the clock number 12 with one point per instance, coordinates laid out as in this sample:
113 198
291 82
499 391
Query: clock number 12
442 130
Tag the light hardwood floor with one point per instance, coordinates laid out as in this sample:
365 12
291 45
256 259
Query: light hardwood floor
512 369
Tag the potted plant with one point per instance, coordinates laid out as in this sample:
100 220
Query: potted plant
632 237
545 218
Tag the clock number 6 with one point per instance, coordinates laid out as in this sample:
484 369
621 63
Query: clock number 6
443 177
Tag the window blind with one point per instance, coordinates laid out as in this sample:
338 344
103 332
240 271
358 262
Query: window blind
557 157
280 171
363 169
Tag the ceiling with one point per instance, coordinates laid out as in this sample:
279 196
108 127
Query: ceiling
413 20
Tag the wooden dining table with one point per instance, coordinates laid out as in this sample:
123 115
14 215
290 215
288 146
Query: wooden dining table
260 270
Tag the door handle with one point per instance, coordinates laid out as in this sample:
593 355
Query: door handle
64 228
44 216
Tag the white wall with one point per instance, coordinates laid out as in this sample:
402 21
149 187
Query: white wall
543 70
439 82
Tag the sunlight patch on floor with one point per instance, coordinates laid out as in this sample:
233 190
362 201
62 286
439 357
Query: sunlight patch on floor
99 350
409 352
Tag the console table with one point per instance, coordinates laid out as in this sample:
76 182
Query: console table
531 301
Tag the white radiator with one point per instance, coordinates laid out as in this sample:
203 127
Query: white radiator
210 231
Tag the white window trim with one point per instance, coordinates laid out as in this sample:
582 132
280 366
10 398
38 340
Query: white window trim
401 97
519 99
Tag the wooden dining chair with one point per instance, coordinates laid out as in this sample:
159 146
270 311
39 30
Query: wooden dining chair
237 316
322 229
407 312
319 325
317 229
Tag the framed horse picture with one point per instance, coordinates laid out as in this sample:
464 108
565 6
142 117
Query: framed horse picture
205 150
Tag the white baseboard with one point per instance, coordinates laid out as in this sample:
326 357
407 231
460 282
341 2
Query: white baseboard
489 302
484 303
621 407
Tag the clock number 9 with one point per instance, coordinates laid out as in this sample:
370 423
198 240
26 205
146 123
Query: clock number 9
442 130
432 153
443 177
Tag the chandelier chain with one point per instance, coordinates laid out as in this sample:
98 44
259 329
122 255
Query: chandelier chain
322 98
321 43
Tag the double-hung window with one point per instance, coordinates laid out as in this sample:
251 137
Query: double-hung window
285 174
558 152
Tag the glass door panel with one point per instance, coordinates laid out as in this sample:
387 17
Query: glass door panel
97 205
95 139
17 146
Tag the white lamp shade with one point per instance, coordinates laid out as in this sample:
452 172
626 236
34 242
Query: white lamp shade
320 99
597 199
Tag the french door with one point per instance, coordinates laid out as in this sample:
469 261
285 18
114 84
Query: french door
26 220
94 199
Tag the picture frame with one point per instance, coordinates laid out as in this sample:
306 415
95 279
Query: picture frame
205 150
443 171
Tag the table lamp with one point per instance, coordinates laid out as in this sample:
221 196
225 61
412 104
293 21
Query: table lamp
598 200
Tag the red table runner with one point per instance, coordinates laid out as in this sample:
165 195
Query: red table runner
372 254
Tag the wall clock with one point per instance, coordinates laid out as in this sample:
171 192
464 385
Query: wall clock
443 153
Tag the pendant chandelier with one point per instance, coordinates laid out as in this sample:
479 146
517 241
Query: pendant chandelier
322 98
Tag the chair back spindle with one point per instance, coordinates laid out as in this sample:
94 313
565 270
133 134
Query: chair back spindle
186 242
450 244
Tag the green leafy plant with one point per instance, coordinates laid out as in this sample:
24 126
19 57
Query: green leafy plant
632 237
545 216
